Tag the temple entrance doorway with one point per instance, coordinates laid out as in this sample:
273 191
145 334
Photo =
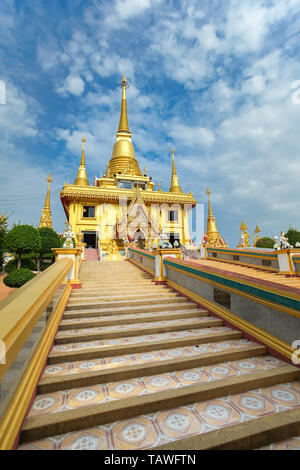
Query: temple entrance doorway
90 238
140 238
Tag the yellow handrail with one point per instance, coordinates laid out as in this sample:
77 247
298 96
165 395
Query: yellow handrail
20 312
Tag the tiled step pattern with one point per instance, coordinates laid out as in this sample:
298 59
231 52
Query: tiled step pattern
133 352
255 273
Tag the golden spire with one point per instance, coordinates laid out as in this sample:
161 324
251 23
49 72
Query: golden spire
175 186
211 231
123 125
123 155
46 220
81 179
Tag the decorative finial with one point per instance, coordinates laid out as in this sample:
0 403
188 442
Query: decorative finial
83 139
124 82
208 191
49 179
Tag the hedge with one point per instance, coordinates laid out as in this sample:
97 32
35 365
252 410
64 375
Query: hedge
18 277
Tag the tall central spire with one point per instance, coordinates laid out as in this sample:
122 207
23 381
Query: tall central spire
123 125
123 158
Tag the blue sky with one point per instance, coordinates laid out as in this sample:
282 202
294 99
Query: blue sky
219 81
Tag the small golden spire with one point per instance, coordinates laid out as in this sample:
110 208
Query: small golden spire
175 186
81 179
123 125
211 230
46 220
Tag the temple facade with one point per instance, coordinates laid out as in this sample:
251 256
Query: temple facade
124 205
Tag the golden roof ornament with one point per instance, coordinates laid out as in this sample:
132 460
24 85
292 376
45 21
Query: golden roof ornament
46 219
257 229
175 186
243 226
81 179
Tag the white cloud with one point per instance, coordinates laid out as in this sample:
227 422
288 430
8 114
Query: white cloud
254 85
17 116
73 85
191 136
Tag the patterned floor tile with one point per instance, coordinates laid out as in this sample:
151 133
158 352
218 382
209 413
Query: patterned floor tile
137 433
253 404
283 395
127 388
178 423
92 439
218 413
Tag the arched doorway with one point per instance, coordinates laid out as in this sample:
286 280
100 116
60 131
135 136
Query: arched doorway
140 238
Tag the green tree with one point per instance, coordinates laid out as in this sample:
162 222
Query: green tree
293 236
3 230
49 240
265 242
23 239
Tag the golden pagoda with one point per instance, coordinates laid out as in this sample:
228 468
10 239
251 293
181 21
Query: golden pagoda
81 178
122 205
46 220
213 237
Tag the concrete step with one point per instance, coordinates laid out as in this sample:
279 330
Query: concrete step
103 293
95 415
68 336
104 375
91 322
254 434
140 315
140 300
139 347
133 309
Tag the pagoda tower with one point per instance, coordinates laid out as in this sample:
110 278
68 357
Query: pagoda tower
46 219
213 237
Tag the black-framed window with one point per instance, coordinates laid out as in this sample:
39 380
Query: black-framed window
172 216
88 211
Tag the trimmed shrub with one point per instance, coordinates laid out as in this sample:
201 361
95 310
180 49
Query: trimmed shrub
25 263
18 277
265 242
23 239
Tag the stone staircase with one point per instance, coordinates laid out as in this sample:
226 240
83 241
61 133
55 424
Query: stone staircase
135 365
91 254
